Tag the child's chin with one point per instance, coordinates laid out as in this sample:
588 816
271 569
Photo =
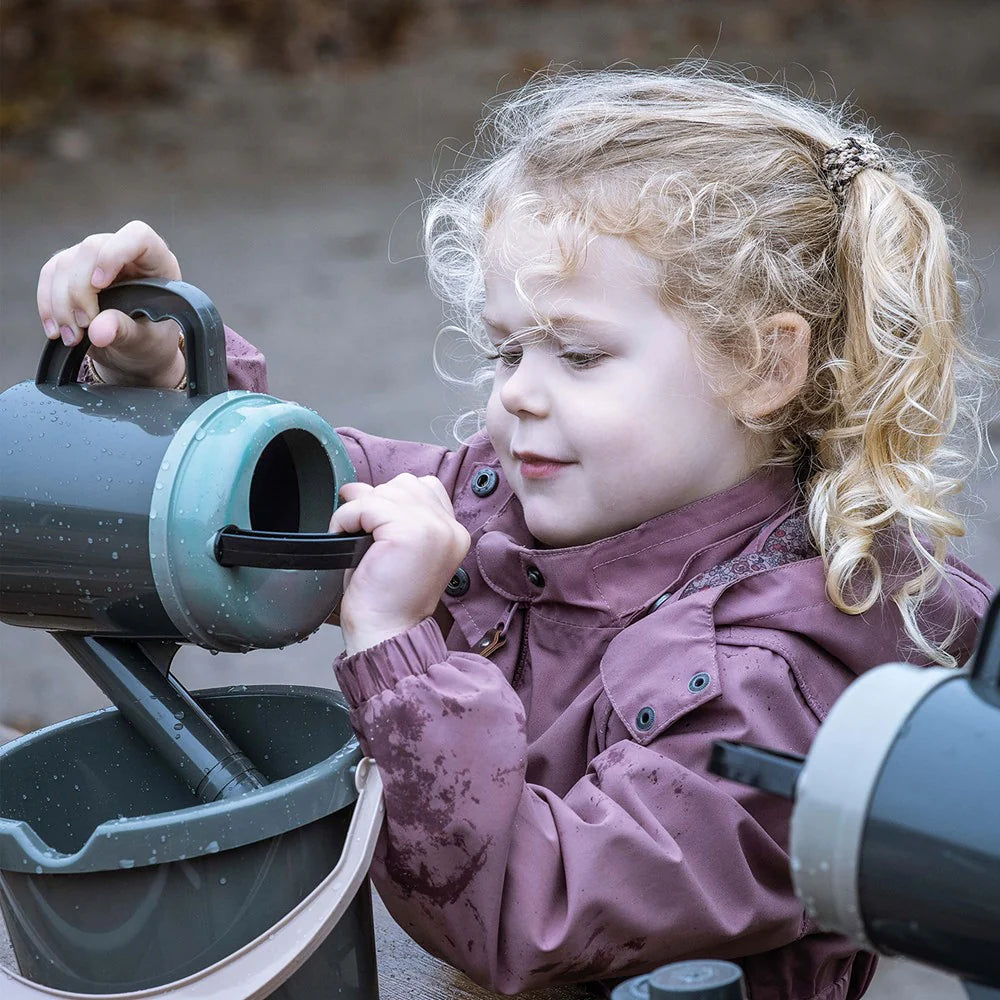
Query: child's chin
557 533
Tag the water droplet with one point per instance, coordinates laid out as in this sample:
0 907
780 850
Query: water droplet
114 555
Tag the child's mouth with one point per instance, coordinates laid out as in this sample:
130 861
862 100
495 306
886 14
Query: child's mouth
538 466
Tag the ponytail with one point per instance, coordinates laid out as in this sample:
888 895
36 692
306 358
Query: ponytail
895 391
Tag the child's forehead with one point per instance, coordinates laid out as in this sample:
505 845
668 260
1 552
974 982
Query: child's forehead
556 246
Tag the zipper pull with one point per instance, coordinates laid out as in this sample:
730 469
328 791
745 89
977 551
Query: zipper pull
495 639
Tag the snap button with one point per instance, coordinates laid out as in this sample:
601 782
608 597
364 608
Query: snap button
645 719
665 596
535 576
458 584
699 682
484 482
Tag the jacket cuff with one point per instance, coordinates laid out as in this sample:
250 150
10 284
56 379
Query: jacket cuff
379 668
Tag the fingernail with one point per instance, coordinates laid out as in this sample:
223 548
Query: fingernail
68 336
97 279
51 328
82 319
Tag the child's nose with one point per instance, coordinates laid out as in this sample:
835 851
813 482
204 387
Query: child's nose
526 388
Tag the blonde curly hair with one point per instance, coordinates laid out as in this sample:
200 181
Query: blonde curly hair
717 179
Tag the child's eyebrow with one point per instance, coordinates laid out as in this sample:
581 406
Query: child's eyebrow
561 321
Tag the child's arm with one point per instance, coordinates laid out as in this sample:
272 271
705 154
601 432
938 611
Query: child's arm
645 860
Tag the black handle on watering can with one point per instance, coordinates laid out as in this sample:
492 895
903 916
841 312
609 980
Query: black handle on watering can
157 299
280 550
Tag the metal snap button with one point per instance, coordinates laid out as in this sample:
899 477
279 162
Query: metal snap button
535 576
645 718
699 682
484 482
458 584
665 596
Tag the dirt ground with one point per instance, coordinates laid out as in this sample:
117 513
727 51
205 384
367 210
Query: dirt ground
295 205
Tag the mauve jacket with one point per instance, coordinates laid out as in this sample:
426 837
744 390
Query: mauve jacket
549 813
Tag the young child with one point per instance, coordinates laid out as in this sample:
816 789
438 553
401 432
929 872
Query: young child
724 342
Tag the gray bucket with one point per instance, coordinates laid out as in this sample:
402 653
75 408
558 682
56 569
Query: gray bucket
115 880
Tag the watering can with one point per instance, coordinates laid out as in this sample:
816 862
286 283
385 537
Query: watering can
197 516
133 520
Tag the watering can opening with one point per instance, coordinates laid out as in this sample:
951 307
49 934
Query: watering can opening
292 487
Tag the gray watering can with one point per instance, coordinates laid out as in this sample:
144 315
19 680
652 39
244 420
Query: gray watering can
197 516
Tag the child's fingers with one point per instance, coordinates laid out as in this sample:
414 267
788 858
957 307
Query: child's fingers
113 327
67 302
438 492
136 250
63 300
371 513
43 297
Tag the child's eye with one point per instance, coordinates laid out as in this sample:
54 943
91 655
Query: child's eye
581 359
507 356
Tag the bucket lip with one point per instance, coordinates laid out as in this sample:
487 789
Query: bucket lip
193 831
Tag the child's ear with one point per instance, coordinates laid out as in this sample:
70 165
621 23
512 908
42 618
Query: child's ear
787 334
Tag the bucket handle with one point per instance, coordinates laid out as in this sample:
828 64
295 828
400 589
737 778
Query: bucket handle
262 965
156 299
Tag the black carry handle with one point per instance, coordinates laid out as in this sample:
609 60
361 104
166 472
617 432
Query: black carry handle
157 299
769 770
280 550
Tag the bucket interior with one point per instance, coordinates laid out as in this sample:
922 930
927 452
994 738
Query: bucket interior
292 488
76 775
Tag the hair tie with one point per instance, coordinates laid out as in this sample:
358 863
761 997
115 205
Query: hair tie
842 162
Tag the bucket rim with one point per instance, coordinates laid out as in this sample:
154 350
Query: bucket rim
203 828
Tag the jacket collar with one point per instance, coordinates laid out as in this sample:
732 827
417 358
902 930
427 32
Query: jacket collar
616 577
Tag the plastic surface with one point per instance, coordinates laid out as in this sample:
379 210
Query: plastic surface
769 770
166 715
929 873
702 979
338 910
835 787
98 904
111 498
257 462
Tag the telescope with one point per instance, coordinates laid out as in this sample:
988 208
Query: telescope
895 828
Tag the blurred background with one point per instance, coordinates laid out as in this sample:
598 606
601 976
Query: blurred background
282 149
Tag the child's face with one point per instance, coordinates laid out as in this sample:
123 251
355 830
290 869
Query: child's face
604 420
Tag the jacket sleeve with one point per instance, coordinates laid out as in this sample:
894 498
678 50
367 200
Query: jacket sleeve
245 364
643 861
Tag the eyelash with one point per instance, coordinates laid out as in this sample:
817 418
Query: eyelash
580 360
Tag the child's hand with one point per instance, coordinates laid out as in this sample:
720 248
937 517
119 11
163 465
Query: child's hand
127 351
418 546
